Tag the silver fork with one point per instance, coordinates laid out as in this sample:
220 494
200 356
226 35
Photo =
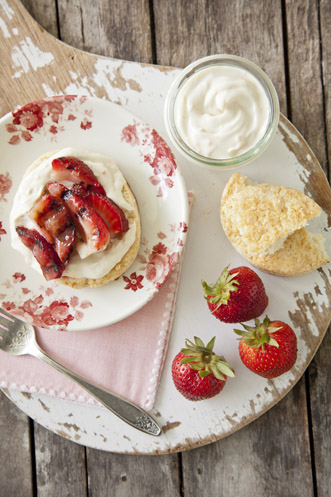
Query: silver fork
18 338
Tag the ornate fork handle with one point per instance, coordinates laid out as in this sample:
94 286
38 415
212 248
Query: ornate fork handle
128 412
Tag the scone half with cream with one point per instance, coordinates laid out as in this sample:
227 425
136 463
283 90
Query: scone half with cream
75 218
266 224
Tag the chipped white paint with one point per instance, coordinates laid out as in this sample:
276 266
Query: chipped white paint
48 90
26 56
8 11
79 88
245 397
290 134
15 31
4 29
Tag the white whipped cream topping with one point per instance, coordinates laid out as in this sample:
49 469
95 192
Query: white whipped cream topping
221 112
30 190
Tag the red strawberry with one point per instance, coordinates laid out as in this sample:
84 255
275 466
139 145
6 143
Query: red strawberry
110 212
75 170
238 295
43 252
198 373
56 225
269 349
89 223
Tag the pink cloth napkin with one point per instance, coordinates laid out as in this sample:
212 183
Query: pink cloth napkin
126 357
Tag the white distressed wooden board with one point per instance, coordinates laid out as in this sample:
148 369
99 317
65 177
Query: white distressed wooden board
142 89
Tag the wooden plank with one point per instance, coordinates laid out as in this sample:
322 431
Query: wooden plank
127 476
320 395
310 78
60 464
304 63
269 457
319 372
119 29
325 23
44 12
188 30
16 463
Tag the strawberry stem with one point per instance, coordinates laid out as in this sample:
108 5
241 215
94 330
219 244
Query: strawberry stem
219 292
258 335
202 358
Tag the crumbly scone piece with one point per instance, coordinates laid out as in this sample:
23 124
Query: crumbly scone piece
257 217
126 261
265 224
236 183
302 253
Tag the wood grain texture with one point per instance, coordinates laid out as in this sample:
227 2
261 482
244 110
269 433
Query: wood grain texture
60 464
319 371
125 476
305 77
309 104
187 30
267 458
16 467
45 13
325 34
119 29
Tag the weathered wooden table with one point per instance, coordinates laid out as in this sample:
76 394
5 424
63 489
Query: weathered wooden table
287 450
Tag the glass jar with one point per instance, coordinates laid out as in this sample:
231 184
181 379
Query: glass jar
222 103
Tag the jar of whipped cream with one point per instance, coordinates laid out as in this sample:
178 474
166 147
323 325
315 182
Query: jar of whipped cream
221 111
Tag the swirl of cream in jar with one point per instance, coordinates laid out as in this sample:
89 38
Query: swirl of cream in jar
221 112
30 190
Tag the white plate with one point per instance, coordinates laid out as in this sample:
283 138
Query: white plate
151 170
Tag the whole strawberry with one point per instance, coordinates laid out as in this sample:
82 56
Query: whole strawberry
198 373
269 349
238 295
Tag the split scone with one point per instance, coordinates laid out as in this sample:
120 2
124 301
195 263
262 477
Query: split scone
75 218
266 224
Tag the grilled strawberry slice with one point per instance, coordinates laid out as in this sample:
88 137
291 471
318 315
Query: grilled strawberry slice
44 252
56 225
110 212
75 170
89 223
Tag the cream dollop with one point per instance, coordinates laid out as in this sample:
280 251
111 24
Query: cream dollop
221 112
30 189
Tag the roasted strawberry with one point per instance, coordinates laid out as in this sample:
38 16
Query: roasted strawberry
56 225
91 226
79 189
238 295
44 252
75 170
198 373
112 214
269 349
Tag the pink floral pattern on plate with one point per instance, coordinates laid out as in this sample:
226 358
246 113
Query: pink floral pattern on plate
150 167
155 152
48 115
5 185
45 309
157 262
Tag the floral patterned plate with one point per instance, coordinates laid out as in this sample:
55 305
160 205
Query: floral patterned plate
150 168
